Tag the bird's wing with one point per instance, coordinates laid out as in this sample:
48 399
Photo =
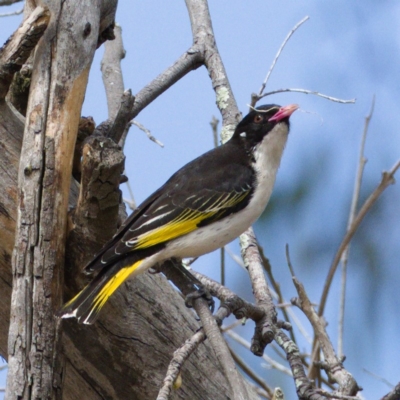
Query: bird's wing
195 196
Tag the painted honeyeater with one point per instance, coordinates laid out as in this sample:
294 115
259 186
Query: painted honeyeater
202 207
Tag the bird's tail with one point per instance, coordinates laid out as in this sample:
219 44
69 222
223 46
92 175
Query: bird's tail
86 305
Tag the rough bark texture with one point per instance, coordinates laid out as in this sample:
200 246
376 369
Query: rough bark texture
60 71
11 129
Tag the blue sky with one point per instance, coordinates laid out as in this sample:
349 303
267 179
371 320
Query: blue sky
346 50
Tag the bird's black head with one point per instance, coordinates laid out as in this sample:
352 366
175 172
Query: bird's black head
259 122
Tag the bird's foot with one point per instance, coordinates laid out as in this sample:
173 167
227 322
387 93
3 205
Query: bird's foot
196 294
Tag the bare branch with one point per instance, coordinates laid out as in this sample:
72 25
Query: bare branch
387 179
124 115
379 378
333 365
250 373
267 266
111 72
211 329
131 204
264 331
304 387
9 2
353 209
10 14
306 18
238 391
175 366
271 362
203 35
393 394
18 48
305 91
237 306
189 61
146 131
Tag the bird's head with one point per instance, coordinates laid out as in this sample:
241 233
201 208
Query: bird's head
262 121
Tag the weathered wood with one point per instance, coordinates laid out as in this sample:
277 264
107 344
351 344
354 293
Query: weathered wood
95 217
60 72
11 129
19 46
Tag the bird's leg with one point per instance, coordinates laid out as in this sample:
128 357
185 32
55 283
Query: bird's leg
200 290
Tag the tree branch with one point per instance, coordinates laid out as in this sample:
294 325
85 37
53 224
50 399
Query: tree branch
9 2
387 179
20 45
332 365
393 394
289 35
305 91
264 331
111 72
353 209
211 330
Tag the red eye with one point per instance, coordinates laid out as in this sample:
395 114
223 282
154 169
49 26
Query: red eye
258 119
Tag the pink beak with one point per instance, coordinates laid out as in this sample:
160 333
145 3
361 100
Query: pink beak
284 112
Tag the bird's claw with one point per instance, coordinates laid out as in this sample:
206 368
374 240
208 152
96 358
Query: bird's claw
196 294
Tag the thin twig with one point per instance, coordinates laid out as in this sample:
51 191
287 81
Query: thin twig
279 53
387 179
332 364
232 325
379 378
214 126
353 209
264 331
295 320
238 260
305 91
271 362
250 373
146 131
131 204
262 393
175 365
267 267
10 14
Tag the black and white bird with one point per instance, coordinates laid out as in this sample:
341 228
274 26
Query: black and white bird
202 207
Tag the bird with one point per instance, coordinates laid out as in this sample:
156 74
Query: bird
203 206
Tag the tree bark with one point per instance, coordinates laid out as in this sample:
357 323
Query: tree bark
60 72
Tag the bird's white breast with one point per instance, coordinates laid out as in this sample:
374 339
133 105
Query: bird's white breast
267 157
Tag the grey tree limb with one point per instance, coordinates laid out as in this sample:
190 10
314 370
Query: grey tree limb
18 47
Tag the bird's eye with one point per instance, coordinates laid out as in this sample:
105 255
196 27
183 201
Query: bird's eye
258 119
